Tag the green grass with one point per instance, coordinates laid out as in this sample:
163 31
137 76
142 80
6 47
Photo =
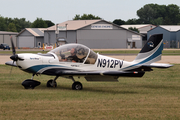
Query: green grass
171 52
123 52
154 96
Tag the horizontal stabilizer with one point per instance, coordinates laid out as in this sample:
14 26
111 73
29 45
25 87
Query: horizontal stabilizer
158 65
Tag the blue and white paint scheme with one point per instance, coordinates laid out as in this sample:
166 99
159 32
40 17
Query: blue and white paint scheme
71 60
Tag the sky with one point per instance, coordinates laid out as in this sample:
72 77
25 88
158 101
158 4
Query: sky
59 11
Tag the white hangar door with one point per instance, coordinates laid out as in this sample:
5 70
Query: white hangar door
26 41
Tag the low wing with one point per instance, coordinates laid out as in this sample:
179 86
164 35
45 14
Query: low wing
11 63
102 73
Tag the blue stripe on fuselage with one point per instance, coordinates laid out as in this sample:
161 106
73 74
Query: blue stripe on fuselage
36 68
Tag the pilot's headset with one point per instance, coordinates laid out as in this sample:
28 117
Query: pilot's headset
62 55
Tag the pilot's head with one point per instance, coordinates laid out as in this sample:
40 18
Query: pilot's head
73 51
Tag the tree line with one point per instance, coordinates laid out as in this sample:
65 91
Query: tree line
148 14
16 24
155 14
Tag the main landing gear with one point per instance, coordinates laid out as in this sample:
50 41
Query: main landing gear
31 84
52 83
76 85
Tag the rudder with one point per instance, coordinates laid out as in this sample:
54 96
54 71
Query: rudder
152 50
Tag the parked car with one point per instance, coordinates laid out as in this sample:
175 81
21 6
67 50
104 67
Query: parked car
4 46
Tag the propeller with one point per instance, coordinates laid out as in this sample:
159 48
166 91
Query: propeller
14 53
14 57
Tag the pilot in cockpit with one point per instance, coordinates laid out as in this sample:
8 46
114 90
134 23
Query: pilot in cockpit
75 53
73 56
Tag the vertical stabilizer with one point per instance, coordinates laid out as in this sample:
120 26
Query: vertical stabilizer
152 50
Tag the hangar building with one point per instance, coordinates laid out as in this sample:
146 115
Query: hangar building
171 35
5 37
31 37
143 28
96 34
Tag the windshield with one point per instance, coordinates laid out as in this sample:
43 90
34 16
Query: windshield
71 53
91 58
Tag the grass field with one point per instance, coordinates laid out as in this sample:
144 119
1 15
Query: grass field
154 96
123 52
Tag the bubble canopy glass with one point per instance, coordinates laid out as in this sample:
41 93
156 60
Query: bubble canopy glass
76 53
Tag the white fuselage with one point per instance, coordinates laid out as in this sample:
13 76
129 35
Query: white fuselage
37 63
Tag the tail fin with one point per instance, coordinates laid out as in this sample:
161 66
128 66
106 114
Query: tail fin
152 50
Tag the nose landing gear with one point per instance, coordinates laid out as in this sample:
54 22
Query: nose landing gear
30 83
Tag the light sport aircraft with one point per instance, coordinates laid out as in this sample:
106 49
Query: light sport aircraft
71 60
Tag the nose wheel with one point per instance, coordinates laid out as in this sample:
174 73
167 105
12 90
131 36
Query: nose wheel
30 83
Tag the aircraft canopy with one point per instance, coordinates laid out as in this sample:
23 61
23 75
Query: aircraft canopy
75 53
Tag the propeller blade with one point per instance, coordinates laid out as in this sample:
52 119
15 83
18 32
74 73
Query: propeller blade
13 48
14 57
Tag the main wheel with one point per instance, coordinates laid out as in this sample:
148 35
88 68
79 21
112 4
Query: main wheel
77 86
49 84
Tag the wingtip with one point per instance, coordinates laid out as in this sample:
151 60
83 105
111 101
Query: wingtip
11 63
